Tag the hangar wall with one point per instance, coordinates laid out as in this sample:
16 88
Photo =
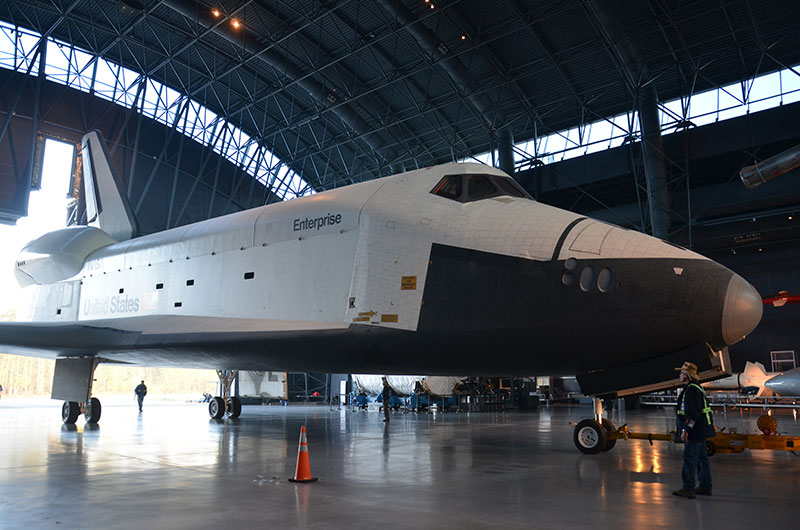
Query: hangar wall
775 268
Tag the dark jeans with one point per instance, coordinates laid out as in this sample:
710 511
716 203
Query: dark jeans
695 462
141 400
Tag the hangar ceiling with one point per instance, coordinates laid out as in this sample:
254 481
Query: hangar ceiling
345 91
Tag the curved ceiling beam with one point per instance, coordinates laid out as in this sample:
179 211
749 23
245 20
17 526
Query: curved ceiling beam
493 118
324 97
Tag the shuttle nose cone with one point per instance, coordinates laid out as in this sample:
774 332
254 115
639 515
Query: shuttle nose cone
742 310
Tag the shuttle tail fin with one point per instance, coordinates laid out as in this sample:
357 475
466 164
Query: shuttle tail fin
107 205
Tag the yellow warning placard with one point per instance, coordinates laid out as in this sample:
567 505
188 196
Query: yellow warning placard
408 283
388 318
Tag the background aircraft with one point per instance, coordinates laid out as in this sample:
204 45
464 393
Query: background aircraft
786 384
754 376
781 298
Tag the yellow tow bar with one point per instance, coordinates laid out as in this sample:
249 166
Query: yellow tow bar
725 442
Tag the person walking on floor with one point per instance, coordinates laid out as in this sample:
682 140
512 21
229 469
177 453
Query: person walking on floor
141 392
695 423
386 395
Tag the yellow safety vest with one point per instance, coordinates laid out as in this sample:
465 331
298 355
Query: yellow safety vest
682 403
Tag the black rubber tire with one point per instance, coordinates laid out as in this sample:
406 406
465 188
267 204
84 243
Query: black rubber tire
233 408
216 408
93 410
70 411
590 437
610 442
711 449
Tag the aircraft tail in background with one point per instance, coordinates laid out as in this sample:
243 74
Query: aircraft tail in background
107 205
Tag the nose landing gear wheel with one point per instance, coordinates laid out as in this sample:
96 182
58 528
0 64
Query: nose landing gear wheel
216 408
611 442
233 408
590 437
70 411
93 409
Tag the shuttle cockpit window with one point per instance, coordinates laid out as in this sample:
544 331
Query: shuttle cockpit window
510 188
449 187
480 187
469 188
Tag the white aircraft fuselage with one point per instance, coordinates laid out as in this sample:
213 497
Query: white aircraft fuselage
444 270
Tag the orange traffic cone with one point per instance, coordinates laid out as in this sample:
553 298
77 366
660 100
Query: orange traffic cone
303 471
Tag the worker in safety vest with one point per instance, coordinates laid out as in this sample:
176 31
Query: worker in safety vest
695 423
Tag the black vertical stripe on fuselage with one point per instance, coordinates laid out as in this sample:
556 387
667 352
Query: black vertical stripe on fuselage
564 235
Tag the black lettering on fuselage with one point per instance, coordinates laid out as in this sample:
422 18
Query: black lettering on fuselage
315 223
113 305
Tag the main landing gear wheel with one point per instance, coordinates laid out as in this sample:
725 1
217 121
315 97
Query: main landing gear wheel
611 442
216 408
70 411
590 437
233 408
92 411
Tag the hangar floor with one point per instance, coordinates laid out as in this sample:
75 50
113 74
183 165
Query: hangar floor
172 467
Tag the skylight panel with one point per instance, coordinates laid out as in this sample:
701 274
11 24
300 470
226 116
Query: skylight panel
127 84
80 72
57 65
151 94
8 46
105 79
26 49
703 107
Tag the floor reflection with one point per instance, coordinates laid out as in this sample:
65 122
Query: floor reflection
172 467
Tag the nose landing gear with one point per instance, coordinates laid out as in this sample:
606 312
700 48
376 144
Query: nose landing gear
591 435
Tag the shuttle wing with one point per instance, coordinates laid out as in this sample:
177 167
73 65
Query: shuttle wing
190 341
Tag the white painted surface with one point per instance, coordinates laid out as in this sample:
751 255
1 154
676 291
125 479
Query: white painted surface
354 255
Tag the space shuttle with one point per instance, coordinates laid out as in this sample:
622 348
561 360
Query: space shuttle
452 269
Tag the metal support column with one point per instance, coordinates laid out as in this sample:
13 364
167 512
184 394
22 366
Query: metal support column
505 150
654 167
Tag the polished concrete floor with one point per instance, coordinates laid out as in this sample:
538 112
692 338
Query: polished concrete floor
172 467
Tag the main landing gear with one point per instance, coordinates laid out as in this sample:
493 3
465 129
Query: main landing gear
591 435
72 382
230 406
70 411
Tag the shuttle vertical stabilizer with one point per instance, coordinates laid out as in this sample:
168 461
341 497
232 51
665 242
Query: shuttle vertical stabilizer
107 206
